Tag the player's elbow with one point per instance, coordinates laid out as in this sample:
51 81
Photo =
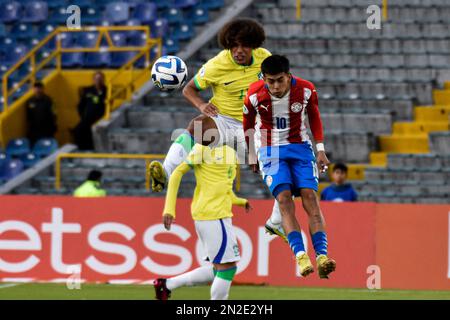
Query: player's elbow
189 89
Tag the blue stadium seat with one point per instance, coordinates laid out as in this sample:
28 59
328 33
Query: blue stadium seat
29 160
119 38
145 12
117 12
118 59
58 16
137 39
44 147
60 3
12 56
10 168
22 31
83 4
35 12
213 4
159 28
2 30
172 46
173 15
91 16
18 147
199 15
72 60
185 3
10 12
183 31
163 3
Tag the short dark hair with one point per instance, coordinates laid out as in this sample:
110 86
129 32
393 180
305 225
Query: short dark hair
275 64
244 31
340 166
38 84
94 175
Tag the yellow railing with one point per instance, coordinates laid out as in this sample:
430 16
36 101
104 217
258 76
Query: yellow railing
103 34
146 157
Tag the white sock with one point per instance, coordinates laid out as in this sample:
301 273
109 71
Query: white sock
220 289
275 217
178 152
197 276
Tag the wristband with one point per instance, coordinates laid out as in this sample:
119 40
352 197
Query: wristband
320 147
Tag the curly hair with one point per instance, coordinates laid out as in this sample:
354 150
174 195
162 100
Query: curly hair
244 31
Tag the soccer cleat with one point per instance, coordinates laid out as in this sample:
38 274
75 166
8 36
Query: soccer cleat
305 265
158 176
325 266
276 229
161 291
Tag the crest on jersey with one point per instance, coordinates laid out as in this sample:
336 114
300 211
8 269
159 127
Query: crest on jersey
244 109
269 181
296 107
260 76
202 72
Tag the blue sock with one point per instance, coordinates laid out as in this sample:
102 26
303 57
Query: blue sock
295 240
320 243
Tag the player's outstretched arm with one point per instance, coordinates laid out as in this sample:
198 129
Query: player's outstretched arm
315 123
172 193
191 93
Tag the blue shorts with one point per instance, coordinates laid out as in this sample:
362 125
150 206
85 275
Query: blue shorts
291 165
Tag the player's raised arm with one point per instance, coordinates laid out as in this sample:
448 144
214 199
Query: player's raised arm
315 122
249 117
172 192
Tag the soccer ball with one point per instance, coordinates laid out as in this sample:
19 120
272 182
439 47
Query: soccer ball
169 73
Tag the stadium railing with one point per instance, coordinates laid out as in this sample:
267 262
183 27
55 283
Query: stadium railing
47 55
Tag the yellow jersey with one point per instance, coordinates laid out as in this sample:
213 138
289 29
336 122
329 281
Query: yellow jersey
229 81
215 171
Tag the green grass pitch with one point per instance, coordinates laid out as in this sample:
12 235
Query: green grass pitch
145 292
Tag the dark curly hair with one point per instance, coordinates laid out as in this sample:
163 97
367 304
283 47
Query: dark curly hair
244 31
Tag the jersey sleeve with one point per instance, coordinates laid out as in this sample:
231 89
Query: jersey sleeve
205 76
249 113
315 121
172 188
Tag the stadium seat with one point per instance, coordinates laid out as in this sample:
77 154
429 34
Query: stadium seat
173 15
61 3
22 31
10 12
185 3
44 147
93 59
29 160
35 12
199 15
12 56
117 12
159 28
119 38
172 46
92 16
184 31
18 147
145 12
213 4
10 169
163 3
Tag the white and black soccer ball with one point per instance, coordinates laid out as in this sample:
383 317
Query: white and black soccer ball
169 73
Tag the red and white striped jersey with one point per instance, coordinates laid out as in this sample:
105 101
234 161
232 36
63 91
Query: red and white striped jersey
282 121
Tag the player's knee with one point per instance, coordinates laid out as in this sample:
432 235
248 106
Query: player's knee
309 198
284 198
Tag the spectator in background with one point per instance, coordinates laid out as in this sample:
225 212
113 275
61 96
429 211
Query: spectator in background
91 187
91 108
41 119
339 190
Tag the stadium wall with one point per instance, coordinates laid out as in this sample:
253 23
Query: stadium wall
122 240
